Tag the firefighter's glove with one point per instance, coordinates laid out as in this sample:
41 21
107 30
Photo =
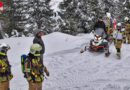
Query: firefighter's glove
46 71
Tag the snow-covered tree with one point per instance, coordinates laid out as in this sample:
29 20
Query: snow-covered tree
22 17
32 14
5 18
79 15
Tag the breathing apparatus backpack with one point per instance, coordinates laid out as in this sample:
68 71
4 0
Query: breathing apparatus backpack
23 57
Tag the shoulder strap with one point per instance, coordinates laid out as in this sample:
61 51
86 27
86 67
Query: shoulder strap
28 61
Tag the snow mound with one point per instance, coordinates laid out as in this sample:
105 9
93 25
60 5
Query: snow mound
58 42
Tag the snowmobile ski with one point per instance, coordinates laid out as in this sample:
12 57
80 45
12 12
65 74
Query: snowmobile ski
83 50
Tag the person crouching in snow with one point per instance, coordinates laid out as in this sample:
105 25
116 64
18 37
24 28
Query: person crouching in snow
5 68
34 68
117 36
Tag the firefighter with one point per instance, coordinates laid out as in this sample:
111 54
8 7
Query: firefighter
34 68
117 36
127 29
5 67
108 24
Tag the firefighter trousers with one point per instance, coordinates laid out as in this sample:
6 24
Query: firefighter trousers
4 85
35 86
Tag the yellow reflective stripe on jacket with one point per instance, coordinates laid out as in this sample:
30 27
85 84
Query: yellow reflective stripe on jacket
29 78
42 77
38 79
27 70
2 54
3 63
34 74
4 78
0 61
36 55
35 61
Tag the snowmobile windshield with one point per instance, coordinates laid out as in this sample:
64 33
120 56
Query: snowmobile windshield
97 37
100 32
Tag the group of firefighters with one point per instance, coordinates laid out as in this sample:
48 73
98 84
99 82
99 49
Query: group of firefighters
115 32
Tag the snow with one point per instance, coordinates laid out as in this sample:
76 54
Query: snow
108 15
69 69
116 0
55 5
1 8
124 2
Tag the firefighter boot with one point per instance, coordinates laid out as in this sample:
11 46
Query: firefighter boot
107 53
118 55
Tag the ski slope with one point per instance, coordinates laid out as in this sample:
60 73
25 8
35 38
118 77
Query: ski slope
69 69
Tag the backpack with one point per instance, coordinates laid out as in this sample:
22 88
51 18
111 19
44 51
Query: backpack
23 57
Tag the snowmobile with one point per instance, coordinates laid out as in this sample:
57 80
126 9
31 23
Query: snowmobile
97 44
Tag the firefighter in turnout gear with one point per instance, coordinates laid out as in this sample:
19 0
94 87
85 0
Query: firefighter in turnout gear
5 67
108 24
117 36
127 29
34 68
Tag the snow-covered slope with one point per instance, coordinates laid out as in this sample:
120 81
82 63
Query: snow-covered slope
69 69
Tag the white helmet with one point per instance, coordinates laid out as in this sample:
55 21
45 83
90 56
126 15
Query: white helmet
35 48
119 24
126 18
4 47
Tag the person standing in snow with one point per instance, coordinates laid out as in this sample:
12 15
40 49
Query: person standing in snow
34 68
127 29
38 40
5 68
117 36
100 24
